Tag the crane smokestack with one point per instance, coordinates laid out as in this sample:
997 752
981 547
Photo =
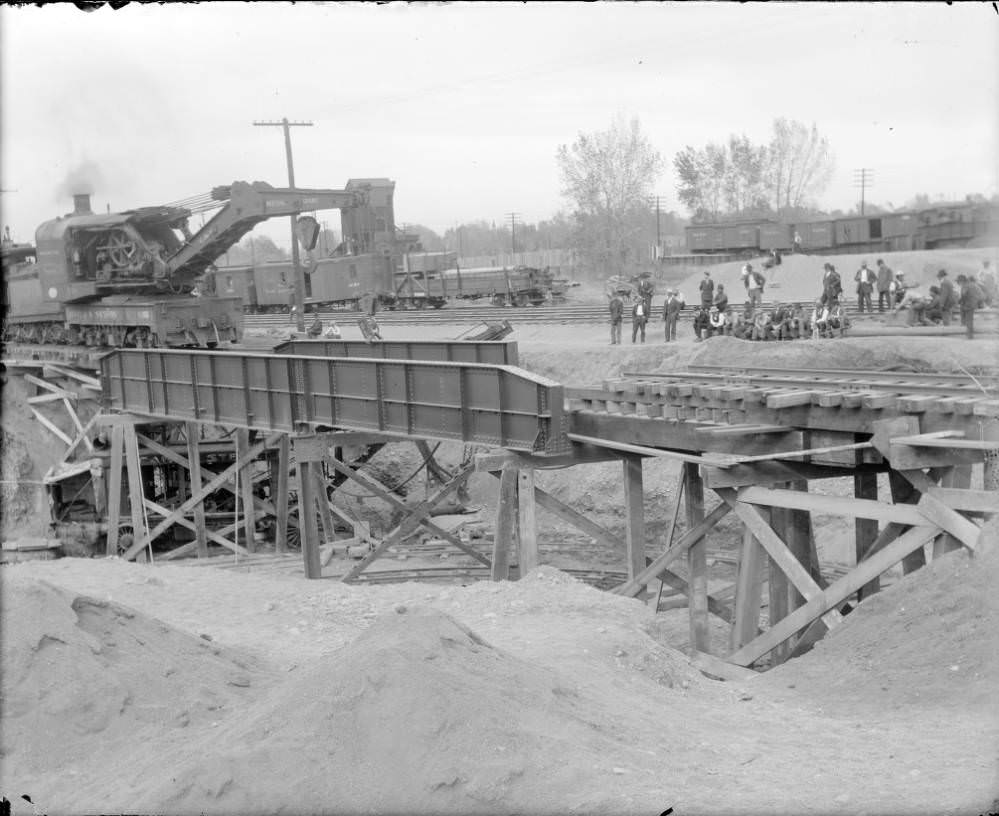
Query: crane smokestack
81 204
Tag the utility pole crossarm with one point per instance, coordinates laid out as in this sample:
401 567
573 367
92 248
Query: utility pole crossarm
295 262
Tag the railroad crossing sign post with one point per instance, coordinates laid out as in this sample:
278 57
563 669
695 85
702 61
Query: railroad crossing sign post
295 261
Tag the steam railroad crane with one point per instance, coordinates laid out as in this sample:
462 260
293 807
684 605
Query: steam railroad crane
140 277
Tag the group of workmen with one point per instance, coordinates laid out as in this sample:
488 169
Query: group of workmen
827 317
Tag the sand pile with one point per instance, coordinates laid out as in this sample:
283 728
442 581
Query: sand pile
418 714
79 673
934 629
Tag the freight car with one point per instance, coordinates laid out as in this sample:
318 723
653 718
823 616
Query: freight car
140 277
953 225
427 279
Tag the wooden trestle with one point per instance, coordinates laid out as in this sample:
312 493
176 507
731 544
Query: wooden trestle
750 444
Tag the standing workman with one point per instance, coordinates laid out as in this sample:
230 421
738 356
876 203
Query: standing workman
972 297
753 281
885 280
721 298
865 285
707 288
671 313
948 296
639 317
616 319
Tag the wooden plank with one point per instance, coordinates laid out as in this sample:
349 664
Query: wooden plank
790 399
955 477
801 543
80 438
697 561
280 497
983 502
654 569
903 492
575 518
722 669
748 586
44 398
242 442
715 605
580 454
777 549
865 486
91 382
724 460
46 422
114 487
909 457
778 586
963 529
193 433
323 505
53 389
81 432
641 450
947 443
527 520
745 430
308 526
833 505
634 511
873 402
505 530
826 600
767 473
135 491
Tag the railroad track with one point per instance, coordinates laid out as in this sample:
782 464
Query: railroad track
567 313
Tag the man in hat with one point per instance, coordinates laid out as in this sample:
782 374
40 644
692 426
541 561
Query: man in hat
832 286
885 278
948 296
707 288
972 297
639 317
865 285
896 289
987 280
616 306
753 281
671 313
721 298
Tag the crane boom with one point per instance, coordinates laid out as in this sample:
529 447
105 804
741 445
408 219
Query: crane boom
246 206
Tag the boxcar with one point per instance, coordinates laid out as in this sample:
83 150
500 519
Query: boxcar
706 238
740 236
775 236
816 234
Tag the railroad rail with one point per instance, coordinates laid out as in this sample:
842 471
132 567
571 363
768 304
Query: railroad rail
553 314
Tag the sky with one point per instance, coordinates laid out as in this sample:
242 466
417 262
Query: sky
464 105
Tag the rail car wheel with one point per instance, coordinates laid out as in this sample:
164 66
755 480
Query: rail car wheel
520 301
122 250
126 538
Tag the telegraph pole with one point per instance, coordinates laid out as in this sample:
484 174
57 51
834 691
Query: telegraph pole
513 234
863 178
296 266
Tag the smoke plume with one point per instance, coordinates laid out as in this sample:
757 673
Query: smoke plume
84 178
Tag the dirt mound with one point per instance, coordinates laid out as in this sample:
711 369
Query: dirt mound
79 672
419 714
933 630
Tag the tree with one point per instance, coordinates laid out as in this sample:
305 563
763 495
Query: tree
799 164
608 176
722 180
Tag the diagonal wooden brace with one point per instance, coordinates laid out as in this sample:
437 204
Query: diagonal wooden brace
778 551
633 587
372 485
206 490
413 520
834 594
